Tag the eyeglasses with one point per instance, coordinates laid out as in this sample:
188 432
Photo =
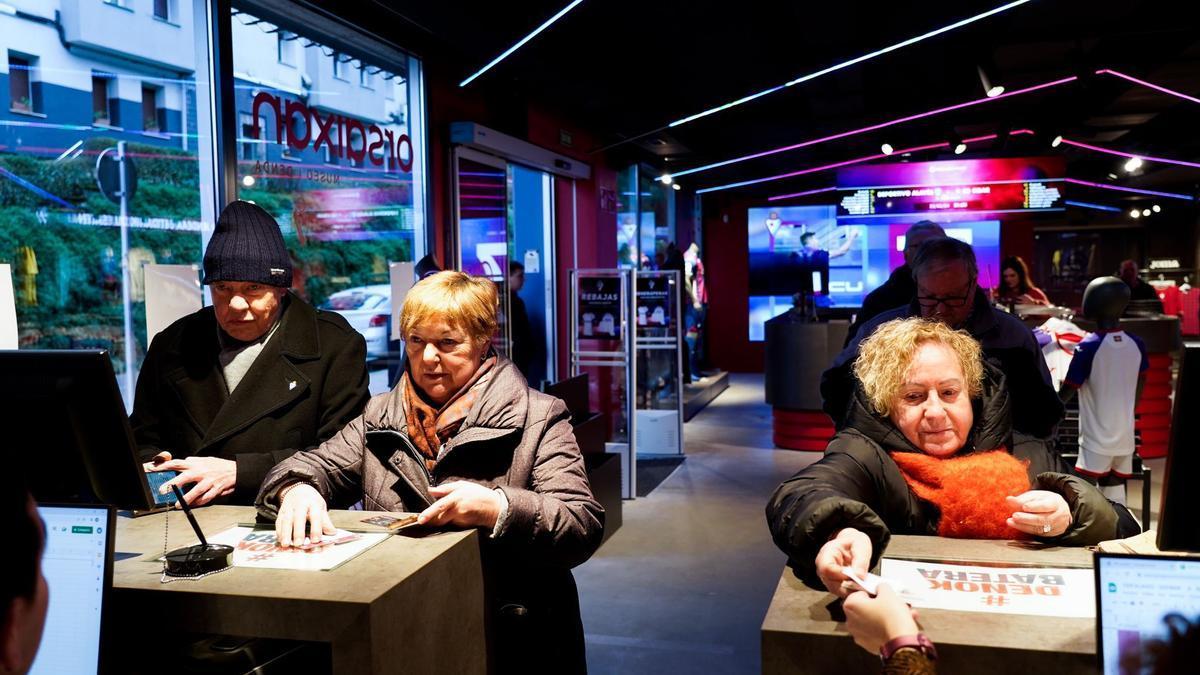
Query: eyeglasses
931 301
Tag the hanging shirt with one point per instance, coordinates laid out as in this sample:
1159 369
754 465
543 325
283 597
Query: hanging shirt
1058 339
1105 370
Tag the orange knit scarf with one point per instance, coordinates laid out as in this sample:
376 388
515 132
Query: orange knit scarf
428 427
969 490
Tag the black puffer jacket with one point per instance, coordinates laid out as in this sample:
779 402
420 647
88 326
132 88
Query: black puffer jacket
857 484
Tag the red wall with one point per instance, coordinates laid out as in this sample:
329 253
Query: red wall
727 274
596 229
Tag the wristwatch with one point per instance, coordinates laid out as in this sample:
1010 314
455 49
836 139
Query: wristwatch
918 642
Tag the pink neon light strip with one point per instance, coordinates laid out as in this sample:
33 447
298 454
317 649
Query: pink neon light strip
1156 87
1121 188
806 193
814 169
876 127
1121 153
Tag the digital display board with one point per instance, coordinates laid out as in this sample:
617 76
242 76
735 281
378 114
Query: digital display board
992 186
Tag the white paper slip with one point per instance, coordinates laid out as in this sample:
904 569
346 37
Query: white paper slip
1047 591
870 583
257 548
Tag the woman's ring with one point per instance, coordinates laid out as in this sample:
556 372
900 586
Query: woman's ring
1046 528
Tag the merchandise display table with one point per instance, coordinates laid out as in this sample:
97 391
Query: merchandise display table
801 634
413 603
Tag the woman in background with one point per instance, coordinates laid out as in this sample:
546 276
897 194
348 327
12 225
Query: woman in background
1016 286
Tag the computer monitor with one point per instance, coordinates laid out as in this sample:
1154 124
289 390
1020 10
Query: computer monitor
77 563
1177 529
65 427
1134 593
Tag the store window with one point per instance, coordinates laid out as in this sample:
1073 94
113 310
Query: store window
285 51
153 114
162 10
20 83
58 231
343 171
645 218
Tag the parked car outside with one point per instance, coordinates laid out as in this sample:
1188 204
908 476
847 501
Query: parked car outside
368 310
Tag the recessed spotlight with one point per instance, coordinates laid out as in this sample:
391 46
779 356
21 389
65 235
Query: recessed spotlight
1056 142
1135 214
248 181
1156 208
1146 212
665 179
1133 164
960 148
675 186
887 148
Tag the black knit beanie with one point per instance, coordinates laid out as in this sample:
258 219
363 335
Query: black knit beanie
247 246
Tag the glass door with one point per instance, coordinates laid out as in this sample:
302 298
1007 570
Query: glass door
531 281
481 196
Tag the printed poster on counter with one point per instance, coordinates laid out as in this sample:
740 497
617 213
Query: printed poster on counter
654 306
1040 591
257 548
599 308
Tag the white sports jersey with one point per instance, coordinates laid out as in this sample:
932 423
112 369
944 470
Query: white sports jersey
1105 369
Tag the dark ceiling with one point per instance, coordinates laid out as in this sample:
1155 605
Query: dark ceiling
625 69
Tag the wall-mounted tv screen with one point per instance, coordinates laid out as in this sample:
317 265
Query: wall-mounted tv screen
859 255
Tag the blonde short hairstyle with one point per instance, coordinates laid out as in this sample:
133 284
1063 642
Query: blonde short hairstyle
885 358
466 302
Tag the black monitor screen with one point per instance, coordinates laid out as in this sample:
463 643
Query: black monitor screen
66 428
1177 529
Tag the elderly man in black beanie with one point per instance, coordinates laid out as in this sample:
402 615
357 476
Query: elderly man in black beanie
228 392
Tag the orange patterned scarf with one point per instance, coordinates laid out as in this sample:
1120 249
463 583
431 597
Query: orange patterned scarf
969 490
430 427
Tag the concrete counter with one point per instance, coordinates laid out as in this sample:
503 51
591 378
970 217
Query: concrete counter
408 604
805 631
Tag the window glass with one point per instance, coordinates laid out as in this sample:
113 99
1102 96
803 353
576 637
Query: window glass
338 164
58 231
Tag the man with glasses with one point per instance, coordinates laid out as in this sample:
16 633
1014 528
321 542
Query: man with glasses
945 273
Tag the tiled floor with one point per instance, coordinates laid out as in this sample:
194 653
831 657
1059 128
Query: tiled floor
683 586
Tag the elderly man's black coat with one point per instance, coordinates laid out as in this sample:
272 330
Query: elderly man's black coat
308 382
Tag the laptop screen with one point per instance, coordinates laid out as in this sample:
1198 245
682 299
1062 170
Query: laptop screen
75 564
1134 593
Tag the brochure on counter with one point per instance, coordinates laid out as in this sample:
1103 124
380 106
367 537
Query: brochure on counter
1040 591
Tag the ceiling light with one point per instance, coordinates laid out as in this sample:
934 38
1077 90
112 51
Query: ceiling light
814 169
1057 141
675 186
1135 214
875 127
887 148
1156 208
665 179
960 148
1133 164
248 181
806 193
522 41
1112 176
991 90
1146 212
1131 156
1121 188
1089 205
1156 87
851 62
